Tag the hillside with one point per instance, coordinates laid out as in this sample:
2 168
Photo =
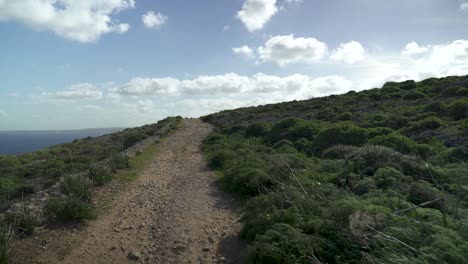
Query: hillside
377 176
25 174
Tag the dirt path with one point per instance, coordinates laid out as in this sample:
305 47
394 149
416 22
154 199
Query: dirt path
173 213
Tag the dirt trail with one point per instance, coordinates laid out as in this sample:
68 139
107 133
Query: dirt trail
173 213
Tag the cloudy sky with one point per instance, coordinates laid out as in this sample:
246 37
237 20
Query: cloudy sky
68 64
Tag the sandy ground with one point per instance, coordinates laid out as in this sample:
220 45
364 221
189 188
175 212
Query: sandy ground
173 213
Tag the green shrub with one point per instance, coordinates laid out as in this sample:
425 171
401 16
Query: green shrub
307 130
451 91
345 116
378 131
281 129
131 140
338 152
387 177
426 123
396 122
414 95
78 186
395 141
364 186
463 91
421 192
371 157
437 107
341 134
7 234
260 129
27 220
100 174
70 208
285 244
219 158
458 109
119 161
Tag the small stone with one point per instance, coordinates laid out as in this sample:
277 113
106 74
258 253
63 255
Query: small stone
134 255
206 249
114 247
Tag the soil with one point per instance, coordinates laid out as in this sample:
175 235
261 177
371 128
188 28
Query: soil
174 212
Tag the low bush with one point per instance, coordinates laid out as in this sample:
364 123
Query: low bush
421 192
459 109
27 220
133 139
285 244
414 95
341 134
70 208
78 186
119 161
395 141
218 159
100 174
7 234
258 130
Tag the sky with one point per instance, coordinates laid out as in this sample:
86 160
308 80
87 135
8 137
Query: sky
69 64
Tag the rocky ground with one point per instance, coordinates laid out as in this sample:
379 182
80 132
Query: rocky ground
173 213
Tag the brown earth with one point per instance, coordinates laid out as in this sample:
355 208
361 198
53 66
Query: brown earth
174 212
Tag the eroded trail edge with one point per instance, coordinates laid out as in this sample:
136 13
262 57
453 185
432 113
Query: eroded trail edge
173 213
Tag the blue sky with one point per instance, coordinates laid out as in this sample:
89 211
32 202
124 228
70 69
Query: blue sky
81 64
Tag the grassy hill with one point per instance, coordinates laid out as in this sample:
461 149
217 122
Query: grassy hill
25 174
378 176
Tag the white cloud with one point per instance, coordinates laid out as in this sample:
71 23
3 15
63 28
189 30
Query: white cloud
256 13
464 6
148 86
349 53
145 106
261 86
83 21
438 61
413 48
78 91
288 49
244 50
227 83
154 20
91 107
226 27
3 113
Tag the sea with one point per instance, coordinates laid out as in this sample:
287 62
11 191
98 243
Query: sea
21 142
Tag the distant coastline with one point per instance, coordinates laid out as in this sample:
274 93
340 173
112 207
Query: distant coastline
24 141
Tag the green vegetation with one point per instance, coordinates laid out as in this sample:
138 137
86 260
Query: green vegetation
378 176
6 236
45 167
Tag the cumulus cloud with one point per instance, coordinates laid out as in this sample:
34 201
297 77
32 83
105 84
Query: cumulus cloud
227 83
78 91
148 86
83 21
349 53
438 61
256 13
260 85
464 6
245 51
154 20
288 49
413 48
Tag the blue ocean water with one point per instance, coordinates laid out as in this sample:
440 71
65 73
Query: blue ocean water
20 142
